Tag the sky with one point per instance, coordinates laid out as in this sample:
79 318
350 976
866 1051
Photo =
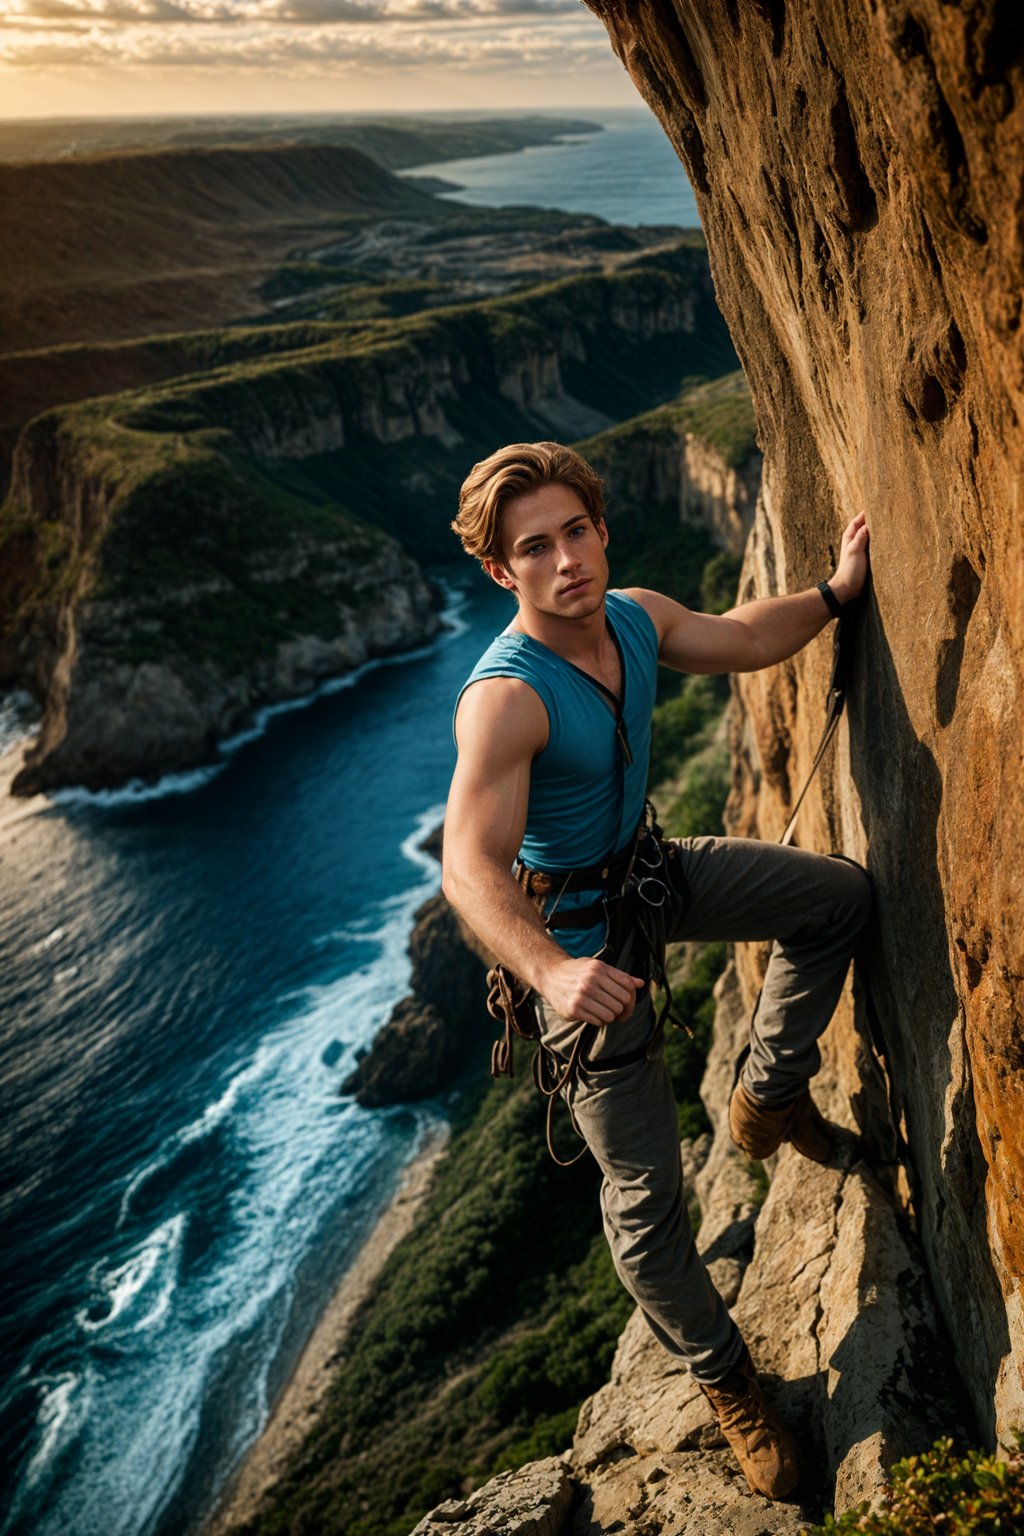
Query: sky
72 58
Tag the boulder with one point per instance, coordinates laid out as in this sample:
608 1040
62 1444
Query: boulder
533 1501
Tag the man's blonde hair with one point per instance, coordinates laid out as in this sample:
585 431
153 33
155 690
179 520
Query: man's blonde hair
513 471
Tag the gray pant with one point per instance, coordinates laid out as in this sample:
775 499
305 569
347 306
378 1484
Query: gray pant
813 907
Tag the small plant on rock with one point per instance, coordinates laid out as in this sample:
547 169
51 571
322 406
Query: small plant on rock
938 1492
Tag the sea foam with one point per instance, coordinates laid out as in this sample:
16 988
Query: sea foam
149 1274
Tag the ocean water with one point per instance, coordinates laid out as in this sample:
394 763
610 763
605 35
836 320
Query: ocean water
627 172
186 975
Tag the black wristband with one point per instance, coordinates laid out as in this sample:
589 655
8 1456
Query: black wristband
835 607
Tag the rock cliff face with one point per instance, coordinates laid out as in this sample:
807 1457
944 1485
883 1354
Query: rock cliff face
111 715
697 455
713 492
535 352
858 173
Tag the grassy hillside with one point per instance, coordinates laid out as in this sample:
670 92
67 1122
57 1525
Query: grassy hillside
91 250
328 300
720 411
118 229
103 288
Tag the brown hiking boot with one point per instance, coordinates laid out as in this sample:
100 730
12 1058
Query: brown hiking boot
759 1131
763 1446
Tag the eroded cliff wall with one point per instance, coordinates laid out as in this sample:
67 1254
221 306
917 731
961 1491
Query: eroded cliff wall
858 170
696 457
171 559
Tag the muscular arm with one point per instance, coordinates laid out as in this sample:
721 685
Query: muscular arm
500 727
759 633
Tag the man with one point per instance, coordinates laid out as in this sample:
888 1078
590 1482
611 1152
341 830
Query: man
553 731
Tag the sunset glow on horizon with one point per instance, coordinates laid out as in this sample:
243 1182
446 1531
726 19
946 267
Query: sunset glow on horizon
78 58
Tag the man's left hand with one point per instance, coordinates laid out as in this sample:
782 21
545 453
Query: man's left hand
851 572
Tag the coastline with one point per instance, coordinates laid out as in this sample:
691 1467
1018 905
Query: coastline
296 1408
16 808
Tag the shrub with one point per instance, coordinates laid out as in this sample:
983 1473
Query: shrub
697 806
680 724
719 582
939 1491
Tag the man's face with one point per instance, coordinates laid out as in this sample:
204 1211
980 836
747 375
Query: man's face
554 556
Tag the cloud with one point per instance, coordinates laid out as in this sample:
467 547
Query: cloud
64 12
56 14
449 9
500 40
270 38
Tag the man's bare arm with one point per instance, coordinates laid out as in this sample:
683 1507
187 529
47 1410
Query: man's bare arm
759 633
500 727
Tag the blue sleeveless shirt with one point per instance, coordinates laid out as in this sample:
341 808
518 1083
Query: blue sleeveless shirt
585 801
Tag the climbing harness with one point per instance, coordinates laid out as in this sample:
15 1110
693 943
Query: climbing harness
631 890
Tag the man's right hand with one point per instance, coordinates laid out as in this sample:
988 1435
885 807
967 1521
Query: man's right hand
589 991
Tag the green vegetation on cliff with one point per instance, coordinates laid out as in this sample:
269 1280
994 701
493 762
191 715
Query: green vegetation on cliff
186 485
976 1493
717 410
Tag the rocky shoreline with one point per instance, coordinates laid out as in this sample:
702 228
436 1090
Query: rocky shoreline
114 713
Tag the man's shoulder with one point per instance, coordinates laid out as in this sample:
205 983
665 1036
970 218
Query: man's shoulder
644 597
652 605
508 670
505 643
505 707
498 685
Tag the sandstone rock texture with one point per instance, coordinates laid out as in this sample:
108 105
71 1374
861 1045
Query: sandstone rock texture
532 1501
858 170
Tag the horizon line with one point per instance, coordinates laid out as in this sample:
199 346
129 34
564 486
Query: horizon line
477 112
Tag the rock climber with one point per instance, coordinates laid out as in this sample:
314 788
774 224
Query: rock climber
551 856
